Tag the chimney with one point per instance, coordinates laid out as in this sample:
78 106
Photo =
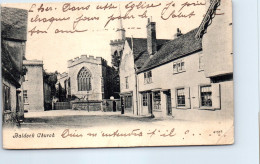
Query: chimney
151 38
177 34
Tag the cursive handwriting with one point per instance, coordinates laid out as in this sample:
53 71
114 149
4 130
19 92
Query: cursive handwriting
50 20
170 134
168 10
66 133
36 31
141 5
107 6
68 7
135 132
187 4
69 31
41 8
178 15
83 18
126 16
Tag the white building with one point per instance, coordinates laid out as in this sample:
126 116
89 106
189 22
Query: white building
33 95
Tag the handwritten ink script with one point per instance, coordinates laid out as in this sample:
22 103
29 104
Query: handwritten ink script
69 18
70 133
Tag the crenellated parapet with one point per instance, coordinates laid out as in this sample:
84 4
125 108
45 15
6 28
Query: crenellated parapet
63 75
117 41
86 59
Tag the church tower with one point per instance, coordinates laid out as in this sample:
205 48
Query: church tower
117 45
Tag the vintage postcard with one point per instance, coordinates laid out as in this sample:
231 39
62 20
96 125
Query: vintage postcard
117 74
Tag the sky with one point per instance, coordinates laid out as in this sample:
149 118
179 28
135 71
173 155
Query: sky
56 49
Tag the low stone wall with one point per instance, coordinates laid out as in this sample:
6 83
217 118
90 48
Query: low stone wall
108 105
87 105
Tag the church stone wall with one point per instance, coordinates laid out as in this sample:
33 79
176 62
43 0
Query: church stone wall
94 65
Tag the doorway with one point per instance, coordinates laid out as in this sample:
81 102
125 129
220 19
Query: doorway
114 106
150 103
168 103
122 105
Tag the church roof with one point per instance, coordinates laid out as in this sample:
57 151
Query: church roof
183 45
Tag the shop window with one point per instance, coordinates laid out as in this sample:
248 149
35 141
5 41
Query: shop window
206 96
210 96
157 100
144 95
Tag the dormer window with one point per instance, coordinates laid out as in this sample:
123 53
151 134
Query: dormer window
148 77
178 66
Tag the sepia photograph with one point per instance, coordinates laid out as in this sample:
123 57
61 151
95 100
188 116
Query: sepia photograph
117 74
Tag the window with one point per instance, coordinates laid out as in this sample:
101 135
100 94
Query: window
6 98
148 77
206 96
84 80
178 66
180 97
128 101
25 97
157 100
126 83
144 95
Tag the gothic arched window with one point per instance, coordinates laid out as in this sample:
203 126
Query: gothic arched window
84 80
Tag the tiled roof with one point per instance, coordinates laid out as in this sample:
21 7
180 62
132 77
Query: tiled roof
174 49
14 23
140 44
140 49
141 59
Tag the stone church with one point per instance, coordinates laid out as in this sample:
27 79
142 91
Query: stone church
86 84
85 78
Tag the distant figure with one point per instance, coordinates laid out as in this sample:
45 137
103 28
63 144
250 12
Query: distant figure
114 106
54 100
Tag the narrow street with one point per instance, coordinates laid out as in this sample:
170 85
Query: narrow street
82 119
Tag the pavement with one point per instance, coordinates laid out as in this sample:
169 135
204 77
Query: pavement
82 119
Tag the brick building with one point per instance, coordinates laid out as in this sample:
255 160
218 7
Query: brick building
13 43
